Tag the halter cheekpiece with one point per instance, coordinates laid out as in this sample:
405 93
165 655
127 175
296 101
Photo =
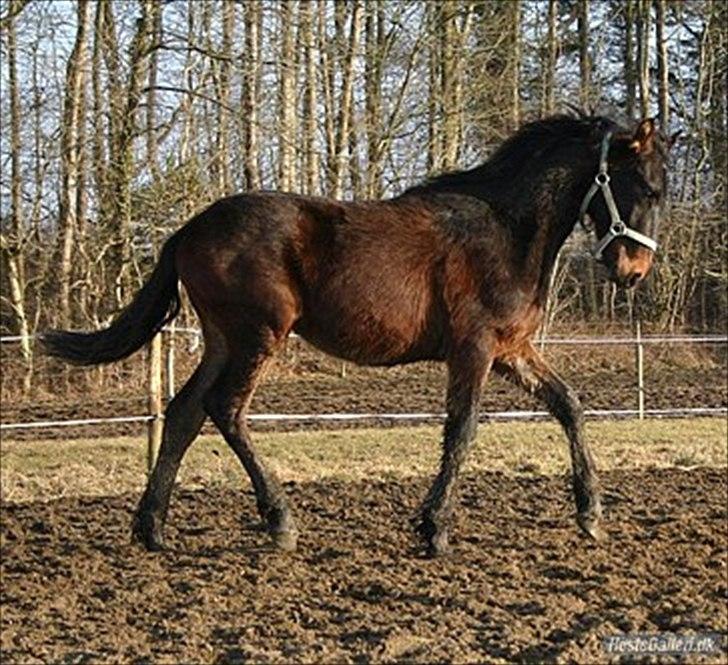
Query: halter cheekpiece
617 228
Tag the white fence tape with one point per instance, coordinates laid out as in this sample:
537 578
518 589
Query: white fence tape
589 341
403 417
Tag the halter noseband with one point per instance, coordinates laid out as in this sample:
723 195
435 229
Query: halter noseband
617 228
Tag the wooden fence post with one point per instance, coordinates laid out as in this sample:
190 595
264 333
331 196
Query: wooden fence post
154 430
170 361
640 370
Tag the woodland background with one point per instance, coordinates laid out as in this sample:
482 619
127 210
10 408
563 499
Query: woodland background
120 119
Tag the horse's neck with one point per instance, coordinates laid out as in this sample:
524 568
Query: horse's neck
553 213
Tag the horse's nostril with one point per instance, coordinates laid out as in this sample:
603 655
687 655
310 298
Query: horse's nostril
634 278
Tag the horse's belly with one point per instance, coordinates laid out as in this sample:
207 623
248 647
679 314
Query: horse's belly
369 333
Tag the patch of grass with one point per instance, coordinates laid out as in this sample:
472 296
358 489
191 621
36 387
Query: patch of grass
44 470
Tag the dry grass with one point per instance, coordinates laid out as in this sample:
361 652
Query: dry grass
43 470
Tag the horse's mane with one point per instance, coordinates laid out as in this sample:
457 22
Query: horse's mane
517 153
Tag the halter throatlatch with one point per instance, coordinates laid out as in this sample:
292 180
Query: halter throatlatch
617 228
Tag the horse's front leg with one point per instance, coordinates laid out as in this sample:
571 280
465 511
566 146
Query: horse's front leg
467 369
530 371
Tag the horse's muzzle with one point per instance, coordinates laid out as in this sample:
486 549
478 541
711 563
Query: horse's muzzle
630 266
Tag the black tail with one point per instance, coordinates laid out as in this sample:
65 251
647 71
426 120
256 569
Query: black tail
153 306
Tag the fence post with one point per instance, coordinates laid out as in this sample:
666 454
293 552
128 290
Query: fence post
154 429
640 370
170 361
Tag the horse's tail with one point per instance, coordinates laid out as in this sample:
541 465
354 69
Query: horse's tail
156 304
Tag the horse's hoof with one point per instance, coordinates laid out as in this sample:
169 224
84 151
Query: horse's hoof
590 526
436 540
145 533
438 546
285 541
282 528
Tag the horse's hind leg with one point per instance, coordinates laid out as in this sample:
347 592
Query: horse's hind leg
467 370
184 418
227 404
531 372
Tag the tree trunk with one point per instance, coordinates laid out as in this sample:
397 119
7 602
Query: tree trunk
224 184
718 114
662 65
643 55
548 81
73 115
516 65
310 113
13 248
584 60
253 17
448 67
123 162
287 142
435 93
152 145
345 99
630 76
82 153
454 29
375 51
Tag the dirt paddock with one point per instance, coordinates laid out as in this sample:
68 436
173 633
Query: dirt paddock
522 584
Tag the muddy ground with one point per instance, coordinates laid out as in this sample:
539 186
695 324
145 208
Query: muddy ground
522 584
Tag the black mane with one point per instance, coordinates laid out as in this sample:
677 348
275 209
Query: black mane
517 154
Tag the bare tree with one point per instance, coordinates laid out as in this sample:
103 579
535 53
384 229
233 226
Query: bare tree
584 59
630 76
548 64
252 17
662 64
151 102
287 66
343 127
516 65
643 55
310 108
70 150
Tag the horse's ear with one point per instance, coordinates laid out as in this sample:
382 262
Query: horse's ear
644 136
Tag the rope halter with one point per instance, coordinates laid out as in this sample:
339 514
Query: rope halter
617 228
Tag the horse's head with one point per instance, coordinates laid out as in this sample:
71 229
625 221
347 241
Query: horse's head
626 201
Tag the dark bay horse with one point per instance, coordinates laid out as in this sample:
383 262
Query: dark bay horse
456 270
